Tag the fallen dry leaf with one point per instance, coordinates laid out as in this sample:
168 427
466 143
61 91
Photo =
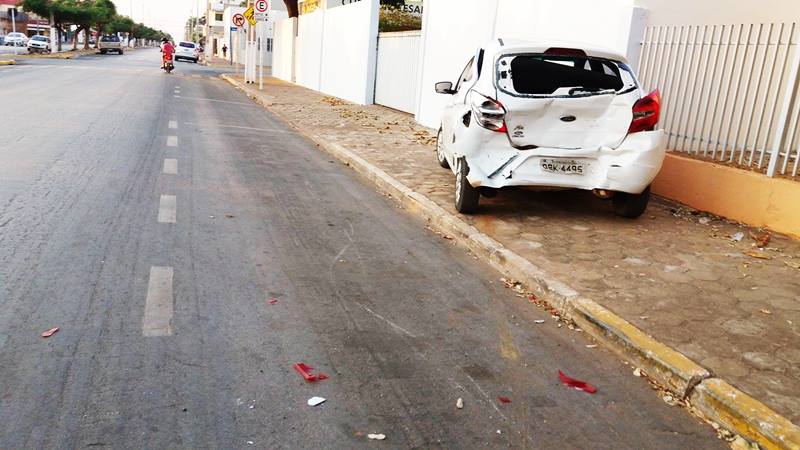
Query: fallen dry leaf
792 264
766 311
757 254
762 240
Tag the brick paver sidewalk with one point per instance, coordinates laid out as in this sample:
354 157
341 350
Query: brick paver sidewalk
679 275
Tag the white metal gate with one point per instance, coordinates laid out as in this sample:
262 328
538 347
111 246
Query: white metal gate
396 77
730 92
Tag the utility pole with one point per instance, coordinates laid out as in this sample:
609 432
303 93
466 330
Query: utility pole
14 25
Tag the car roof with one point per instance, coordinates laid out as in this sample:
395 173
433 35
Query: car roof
501 46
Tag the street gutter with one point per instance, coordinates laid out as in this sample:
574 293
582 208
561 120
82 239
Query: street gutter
711 398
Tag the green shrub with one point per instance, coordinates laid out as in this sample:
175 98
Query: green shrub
393 19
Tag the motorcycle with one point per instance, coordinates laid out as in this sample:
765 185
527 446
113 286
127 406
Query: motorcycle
168 66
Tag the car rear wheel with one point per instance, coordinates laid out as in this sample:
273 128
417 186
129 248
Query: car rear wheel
631 205
440 151
467 197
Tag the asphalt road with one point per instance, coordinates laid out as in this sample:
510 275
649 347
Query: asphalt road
191 248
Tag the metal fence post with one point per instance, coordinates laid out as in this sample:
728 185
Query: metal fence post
789 99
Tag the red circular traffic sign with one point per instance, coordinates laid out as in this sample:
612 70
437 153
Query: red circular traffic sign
238 20
262 6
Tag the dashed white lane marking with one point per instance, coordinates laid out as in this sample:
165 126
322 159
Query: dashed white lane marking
177 96
168 209
172 141
157 319
171 166
173 125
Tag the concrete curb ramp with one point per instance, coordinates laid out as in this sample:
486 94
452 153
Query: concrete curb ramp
717 400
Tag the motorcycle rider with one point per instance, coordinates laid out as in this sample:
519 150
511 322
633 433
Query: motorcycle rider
168 50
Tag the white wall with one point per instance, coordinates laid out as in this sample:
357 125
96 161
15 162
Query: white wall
334 51
284 49
719 12
396 77
350 40
308 56
454 29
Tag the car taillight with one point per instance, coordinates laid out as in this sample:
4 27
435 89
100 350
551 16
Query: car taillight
489 113
646 112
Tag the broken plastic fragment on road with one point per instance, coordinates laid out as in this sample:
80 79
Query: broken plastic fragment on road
315 401
273 301
376 437
305 371
504 399
50 332
577 384
460 403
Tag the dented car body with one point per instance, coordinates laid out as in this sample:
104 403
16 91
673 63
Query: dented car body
562 115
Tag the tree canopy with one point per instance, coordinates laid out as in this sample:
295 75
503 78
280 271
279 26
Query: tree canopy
86 14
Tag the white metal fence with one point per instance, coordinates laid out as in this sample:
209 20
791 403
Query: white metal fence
730 92
397 77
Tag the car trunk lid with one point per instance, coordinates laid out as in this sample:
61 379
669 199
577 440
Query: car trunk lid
565 101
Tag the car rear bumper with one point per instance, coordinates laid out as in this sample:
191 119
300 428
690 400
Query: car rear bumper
630 168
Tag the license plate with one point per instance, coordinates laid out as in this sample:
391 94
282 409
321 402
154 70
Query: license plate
563 166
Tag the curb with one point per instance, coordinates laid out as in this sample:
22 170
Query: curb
717 400
9 62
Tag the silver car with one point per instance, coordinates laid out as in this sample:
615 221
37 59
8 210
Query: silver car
39 44
16 39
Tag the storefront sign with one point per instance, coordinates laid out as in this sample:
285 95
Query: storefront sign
309 6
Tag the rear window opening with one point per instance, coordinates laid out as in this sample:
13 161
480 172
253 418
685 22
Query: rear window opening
109 39
186 44
558 75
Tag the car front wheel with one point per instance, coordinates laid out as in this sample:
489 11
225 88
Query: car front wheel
631 205
440 156
467 197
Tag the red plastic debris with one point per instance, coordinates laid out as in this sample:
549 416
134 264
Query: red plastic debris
504 399
577 384
306 372
50 332
273 302
532 298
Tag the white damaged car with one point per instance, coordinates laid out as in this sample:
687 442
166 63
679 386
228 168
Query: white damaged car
563 115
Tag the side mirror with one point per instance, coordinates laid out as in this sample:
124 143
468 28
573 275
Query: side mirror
445 87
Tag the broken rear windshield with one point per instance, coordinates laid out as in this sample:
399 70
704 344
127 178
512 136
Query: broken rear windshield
550 75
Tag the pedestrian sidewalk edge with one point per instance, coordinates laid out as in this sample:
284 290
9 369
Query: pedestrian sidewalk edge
717 400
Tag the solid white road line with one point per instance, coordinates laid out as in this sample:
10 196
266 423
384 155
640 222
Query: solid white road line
157 319
268 130
172 141
171 166
173 125
168 209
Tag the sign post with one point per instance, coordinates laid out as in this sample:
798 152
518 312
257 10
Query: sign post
238 23
261 7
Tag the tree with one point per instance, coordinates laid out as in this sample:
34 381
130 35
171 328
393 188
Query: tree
291 7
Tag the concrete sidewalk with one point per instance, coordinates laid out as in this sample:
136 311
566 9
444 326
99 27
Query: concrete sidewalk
695 283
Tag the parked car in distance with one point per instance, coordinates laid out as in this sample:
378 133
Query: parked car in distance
109 43
39 44
187 50
561 115
16 39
